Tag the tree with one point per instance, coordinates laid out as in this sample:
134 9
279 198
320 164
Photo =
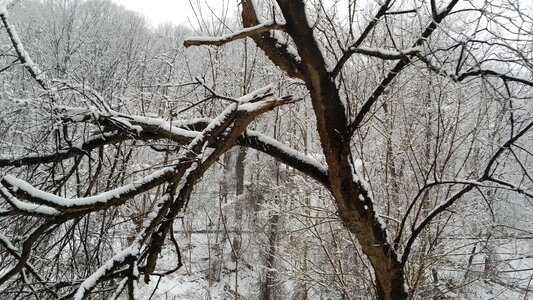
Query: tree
365 86
307 60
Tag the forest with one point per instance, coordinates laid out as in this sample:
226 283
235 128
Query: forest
287 149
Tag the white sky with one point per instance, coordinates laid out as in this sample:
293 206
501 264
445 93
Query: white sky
174 11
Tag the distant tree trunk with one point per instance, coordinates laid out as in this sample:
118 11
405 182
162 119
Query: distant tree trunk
273 220
268 284
221 236
239 202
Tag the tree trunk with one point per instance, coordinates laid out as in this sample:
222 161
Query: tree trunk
353 200
270 275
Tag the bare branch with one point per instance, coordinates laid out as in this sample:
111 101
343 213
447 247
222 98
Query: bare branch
468 187
380 13
404 62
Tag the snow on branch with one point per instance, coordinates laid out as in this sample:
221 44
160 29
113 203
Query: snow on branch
491 73
272 43
26 60
113 197
224 39
471 73
214 129
221 122
289 152
118 259
27 208
347 54
180 131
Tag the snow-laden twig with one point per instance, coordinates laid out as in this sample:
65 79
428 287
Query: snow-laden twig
119 258
26 60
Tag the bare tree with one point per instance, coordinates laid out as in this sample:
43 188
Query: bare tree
303 40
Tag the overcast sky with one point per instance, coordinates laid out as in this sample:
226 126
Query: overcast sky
173 11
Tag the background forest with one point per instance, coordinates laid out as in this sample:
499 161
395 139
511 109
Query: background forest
138 162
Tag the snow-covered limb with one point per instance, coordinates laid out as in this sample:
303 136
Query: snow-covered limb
492 73
117 260
156 216
184 132
275 47
26 60
27 208
471 73
5 212
386 54
131 123
226 130
178 131
153 219
224 39
481 183
258 94
287 155
220 133
256 107
119 288
224 119
76 150
110 198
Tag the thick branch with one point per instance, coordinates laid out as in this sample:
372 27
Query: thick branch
286 155
492 73
387 54
473 73
224 39
281 54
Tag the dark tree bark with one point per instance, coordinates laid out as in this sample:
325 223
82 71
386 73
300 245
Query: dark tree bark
333 128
